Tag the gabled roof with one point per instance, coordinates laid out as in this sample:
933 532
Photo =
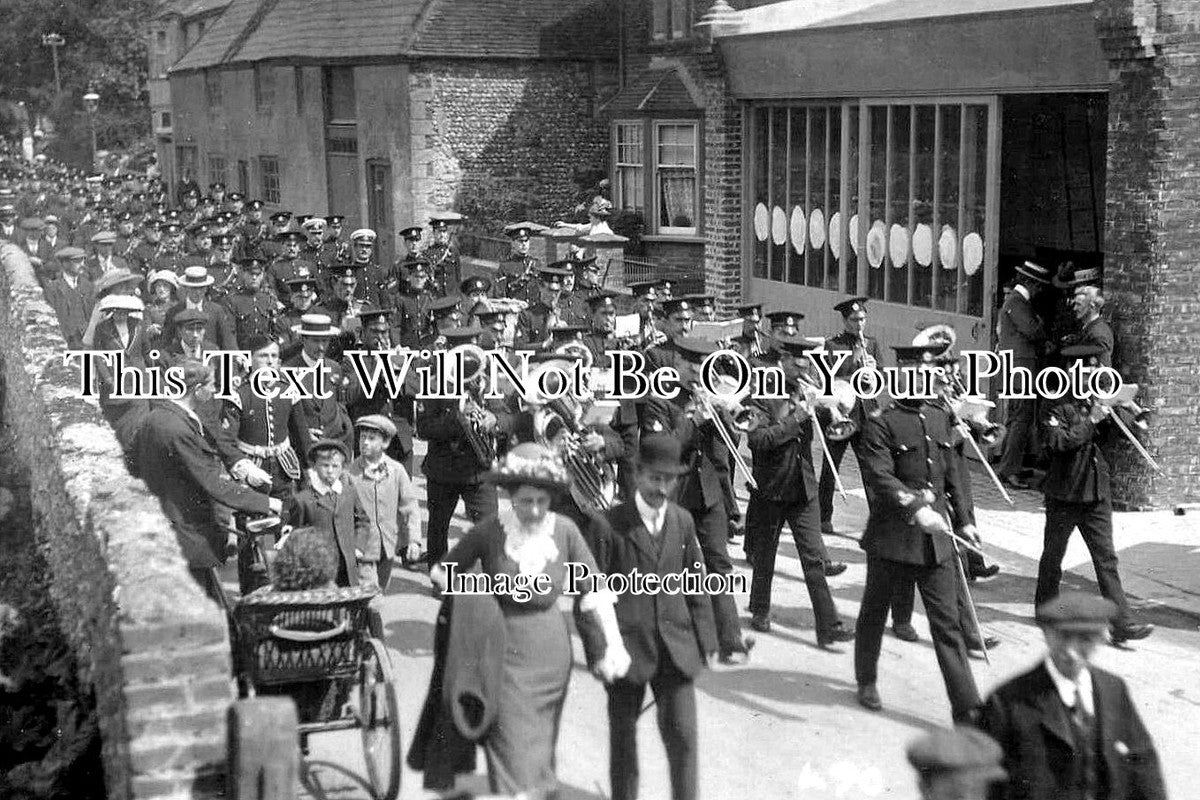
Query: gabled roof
258 30
653 91
188 8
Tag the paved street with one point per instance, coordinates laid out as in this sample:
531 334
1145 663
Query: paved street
787 725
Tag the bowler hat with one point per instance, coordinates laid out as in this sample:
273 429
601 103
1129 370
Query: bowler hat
661 452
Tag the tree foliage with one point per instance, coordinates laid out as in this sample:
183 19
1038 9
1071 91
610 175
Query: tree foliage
105 48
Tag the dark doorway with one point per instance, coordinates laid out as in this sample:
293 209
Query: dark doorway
379 207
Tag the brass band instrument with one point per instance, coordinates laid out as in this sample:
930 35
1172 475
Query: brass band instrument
808 392
470 406
732 404
1124 398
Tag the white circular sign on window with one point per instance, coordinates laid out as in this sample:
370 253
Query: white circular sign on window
877 244
798 229
898 245
852 231
922 244
779 224
816 229
835 234
972 253
762 222
948 248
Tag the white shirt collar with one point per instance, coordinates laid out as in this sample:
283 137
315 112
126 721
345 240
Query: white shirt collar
1022 290
320 487
71 280
1066 687
197 306
652 518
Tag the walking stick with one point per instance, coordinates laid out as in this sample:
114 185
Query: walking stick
966 587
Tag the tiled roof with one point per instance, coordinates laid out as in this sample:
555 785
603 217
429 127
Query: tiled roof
654 91
256 30
520 29
792 15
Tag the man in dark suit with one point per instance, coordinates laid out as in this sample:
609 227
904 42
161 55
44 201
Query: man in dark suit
669 636
1087 304
194 287
1022 332
1069 730
71 295
180 464
1079 495
914 480
329 503
781 444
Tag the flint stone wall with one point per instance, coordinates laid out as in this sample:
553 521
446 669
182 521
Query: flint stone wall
151 644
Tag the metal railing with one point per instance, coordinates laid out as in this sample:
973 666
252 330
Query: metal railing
683 281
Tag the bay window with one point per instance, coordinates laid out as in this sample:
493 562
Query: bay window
672 164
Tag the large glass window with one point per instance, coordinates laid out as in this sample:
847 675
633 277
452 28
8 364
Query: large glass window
672 19
887 199
268 169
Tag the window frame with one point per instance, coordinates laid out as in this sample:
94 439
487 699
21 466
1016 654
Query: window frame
618 196
671 20
652 170
270 194
218 168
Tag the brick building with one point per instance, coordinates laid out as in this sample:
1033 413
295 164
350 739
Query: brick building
388 110
915 151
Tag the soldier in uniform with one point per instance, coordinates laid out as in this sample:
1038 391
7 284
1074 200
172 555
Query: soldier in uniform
534 323
339 247
272 242
700 491
1078 495
588 280
253 233
572 307
411 304
288 264
474 290
263 437
315 250
645 296
864 352
444 313
255 311
517 275
194 287
302 300
494 320
781 445
913 481
372 282
221 267
378 336
461 437
148 247
169 254
398 274
442 256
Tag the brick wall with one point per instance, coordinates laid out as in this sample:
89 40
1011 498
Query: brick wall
503 142
1152 268
154 649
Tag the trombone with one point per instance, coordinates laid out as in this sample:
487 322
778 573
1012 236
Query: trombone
1124 398
732 403
814 398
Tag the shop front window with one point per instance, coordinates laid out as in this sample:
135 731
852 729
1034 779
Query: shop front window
888 199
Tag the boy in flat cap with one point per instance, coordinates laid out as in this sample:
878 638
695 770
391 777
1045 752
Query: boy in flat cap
387 495
1069 729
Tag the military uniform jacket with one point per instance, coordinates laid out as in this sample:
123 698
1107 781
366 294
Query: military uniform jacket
1078 471
142 257
1026 716
1020 328
845 340
450 458
411 317
573 309
282 270
704 452
253 313
173 260
781 446
533 325
260 422
444 267
251 240
908 450
517 278
289 318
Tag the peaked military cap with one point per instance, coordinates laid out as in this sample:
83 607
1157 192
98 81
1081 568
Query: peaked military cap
785 318
851 306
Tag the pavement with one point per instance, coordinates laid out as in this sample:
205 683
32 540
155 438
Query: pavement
786 725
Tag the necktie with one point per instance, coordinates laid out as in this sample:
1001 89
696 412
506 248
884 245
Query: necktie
1081 720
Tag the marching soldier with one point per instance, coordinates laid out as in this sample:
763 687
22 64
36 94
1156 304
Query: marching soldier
588 280
645 296
253 233
412 304
272 242
378 336
444 313
494 320
339 247
315 250
1078 495
442 256
517 274
372 283
143 256
398 275
288 264
865 353
302 300
913 482
170 253
221 267
474 290
535 322
255 311
572 307
781 446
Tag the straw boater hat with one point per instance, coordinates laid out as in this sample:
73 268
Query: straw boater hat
317 325
529 465
1034 271
195 278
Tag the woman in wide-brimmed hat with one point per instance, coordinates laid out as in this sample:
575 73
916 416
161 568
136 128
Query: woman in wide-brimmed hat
527 541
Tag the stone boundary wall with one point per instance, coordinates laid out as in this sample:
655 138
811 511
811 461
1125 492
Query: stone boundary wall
153 647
